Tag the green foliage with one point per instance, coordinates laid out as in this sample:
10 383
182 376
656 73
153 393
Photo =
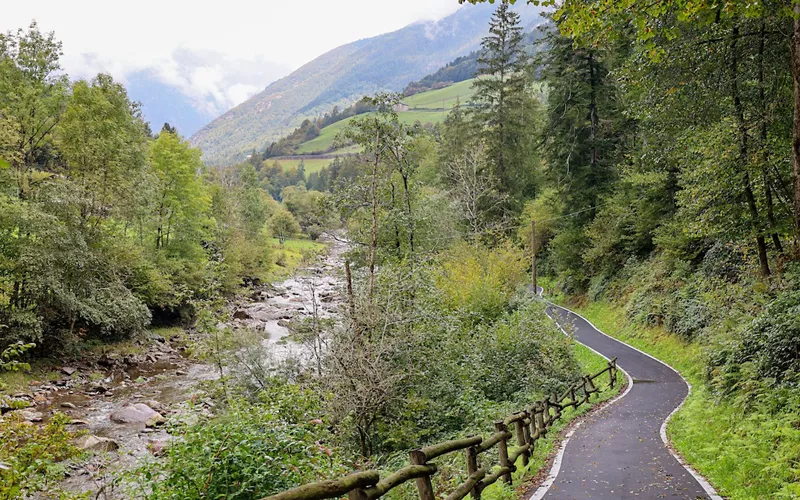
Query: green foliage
283 225
252 450
31 457
480 281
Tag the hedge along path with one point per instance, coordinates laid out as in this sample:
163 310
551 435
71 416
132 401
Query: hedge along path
521 429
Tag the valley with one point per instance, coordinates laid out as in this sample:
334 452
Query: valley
497 250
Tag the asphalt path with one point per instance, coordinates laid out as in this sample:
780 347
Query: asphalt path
618 451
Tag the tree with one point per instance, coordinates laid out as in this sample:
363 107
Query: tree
32 95
474 190
181 202
102 141
502 109
597 21
283 225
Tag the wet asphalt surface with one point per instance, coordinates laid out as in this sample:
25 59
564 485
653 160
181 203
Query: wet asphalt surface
618 452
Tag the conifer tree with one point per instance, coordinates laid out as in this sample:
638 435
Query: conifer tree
500 99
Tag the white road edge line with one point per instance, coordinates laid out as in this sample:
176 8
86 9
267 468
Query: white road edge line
709 489
542 490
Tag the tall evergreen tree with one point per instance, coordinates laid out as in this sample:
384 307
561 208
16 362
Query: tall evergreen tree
501 105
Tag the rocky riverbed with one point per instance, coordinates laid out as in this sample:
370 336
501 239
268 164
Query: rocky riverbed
122 402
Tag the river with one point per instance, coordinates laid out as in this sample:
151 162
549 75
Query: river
167 379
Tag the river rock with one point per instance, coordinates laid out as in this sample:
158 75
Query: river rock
154 405
68 370
241 314
96 443
138 413
157 447
31 416
67 404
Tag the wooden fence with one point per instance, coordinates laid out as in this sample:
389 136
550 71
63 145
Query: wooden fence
525 427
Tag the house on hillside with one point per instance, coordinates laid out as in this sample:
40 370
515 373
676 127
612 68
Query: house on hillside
400 107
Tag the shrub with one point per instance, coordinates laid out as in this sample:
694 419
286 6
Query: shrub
31 456
252 450
480 281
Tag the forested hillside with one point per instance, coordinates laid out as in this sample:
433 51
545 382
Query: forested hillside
341 77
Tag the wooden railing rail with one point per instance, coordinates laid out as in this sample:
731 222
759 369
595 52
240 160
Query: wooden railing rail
528 427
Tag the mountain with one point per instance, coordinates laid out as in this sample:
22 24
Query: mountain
342 76
462 68
163 103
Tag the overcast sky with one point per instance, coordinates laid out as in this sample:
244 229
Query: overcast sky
218 53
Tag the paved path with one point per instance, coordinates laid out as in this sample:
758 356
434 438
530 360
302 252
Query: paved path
618 451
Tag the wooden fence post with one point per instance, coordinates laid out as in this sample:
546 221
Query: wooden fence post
424 486
542 414
502 448
572 397
526 432
472 468
519 430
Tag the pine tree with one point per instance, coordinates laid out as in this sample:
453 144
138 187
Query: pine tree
500 99
584 124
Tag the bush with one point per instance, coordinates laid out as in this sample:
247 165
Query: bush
31 456
251 451
480 281
772 341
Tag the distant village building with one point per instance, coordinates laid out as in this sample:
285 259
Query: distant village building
400 107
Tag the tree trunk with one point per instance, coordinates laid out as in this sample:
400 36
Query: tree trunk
795 50
776 241
373 247
742 129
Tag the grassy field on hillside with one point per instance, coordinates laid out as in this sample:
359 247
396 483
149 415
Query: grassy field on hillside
311 164
324 140
442 98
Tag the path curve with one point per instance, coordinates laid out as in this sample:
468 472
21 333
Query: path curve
620 451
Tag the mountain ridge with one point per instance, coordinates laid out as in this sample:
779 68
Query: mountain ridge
341 76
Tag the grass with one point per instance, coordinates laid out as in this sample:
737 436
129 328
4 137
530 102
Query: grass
442 98
291 254
744 455
433 99
324 141
311 164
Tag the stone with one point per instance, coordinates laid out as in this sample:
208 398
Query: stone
138 413
68 370
157 447
241 314
154 405
155 420
31 416
96 443
67 404
78 422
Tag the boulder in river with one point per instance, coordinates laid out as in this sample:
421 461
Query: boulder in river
31 416
241 314
138 413
68 370
96 443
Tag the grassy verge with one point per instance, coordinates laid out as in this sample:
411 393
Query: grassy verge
745 455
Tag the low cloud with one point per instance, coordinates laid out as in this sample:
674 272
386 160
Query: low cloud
212 81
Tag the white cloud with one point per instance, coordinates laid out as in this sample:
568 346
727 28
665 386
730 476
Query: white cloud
217 53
